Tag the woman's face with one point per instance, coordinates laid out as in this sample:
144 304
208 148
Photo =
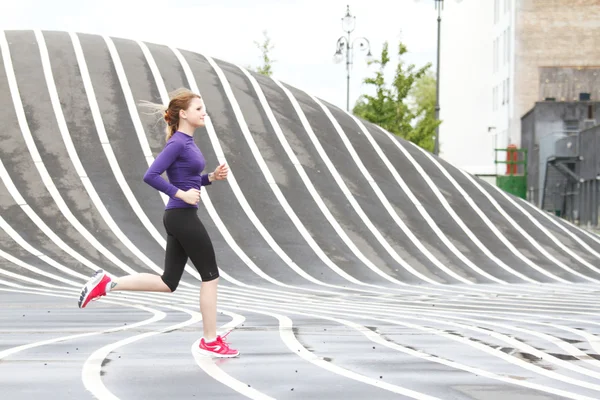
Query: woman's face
196 112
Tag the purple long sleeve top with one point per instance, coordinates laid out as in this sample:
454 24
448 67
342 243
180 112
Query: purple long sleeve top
184 162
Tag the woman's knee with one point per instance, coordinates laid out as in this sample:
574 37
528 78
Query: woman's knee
210 275
171 284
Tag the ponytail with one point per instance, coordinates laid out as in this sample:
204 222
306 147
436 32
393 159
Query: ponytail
171 125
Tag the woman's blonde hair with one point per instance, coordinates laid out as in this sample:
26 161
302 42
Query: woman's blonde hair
180 100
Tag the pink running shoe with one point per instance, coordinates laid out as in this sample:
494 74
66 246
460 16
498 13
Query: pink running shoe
218 348
94 288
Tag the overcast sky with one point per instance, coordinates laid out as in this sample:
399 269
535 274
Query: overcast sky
304 32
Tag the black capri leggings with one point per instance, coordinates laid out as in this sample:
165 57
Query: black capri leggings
187 238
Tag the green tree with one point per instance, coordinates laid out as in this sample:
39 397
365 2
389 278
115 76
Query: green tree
423 95
390 106
265 48
378 108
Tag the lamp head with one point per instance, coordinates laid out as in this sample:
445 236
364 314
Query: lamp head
349 21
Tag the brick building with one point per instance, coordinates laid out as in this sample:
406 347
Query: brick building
500 57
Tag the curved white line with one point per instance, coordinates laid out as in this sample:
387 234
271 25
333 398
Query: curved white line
275 296
274 187
376 147
377 338
385 203
310 188
270 307
354 314
36 270
517 344
59 291
141 134
525 349
509 219
90 373
485 348
157 316
546 231
160 84
568 347
208 365
24 128
426 215
142 138
11 284
562 224
420 306
451 211
498 353
26 279
21 242
233 184
68 142
291 155
289 339
205 196
317 198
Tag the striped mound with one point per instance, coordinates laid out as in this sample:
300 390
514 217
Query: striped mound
353 264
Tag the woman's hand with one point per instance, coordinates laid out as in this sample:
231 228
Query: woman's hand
191 196
220 172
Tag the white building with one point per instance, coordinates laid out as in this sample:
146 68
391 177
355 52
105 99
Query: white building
493 53
476 76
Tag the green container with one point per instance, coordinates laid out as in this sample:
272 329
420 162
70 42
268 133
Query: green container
513 184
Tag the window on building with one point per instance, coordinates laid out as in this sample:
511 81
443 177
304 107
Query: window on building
497 55
508 38
495 61
503 48
495 98
507 44
571 125
496 10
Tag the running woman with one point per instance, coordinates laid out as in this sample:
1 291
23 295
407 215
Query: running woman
186 236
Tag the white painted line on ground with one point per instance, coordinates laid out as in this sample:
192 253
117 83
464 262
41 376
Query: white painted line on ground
92 368
289 339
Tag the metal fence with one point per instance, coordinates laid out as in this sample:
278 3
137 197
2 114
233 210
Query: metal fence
589 172
547 180
566 182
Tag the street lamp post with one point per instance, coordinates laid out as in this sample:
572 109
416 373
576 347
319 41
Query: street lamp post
345 45
439 4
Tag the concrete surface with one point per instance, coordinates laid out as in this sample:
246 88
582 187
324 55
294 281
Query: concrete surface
354 264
